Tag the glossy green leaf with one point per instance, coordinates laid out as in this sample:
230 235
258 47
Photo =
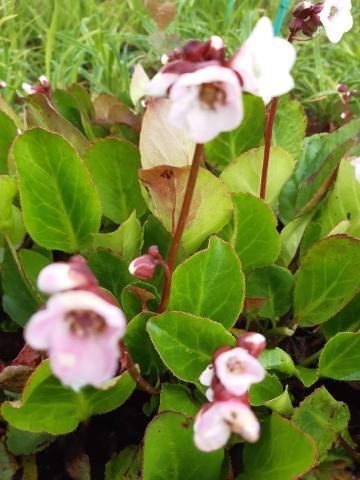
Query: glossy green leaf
291 236
347 320
210 209
256 239
60 204
262 392
138 295
48 406
125 466
340 358
125 241
321 156
40 114
227 146
68 108
274 283
281 404
178 398
19 442
8 134
8 190
186 343
169 451
9 466
290 126
210 284
32 262
323 418
283 452
328 278
244 174
113 165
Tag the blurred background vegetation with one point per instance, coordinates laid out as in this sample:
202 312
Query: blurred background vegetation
98 41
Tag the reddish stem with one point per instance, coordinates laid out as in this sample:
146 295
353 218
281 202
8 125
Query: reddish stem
180 227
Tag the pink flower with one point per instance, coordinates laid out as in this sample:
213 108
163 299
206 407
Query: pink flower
264 62
206 102
215 422
43 86
80 330
254 343
236 369
336 18
356 164
144 267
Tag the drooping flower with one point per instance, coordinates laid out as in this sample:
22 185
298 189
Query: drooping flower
356 164
215 422
264 62
144 267
336 18
42 87
80 331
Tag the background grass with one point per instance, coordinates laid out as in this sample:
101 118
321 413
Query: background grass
97 41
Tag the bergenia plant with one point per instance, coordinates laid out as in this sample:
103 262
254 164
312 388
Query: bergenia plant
180 269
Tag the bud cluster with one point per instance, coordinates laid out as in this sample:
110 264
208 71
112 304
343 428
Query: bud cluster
307 18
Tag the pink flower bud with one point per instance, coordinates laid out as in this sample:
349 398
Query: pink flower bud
143 267
253 342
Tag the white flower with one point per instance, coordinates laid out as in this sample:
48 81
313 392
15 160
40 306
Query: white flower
207 376
3 84
206 102
264 62
237 370
336 18
356 164
215 422
28 89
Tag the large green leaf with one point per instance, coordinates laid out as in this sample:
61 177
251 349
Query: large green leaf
244 174
315 171
8 133
323 418
210 210
113 165
60 205
124 466
290 126
328 278
170 453
210 284
227 146
283 452
48 406
347 320
340 358
178 398
276 285
186 343
19 442
256 239
40 114
262 392
8 190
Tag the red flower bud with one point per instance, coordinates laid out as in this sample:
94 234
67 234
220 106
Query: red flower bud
296 25
317 8
302 10
252 342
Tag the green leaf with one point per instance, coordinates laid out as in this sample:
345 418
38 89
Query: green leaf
60 205
178 398
347 320
210 284
291 236
256 239
283 452
274 283
281 404
316 169
8 190
186 343
113 165
40 114
244 174
125 466
8 134
210 210
68 108
340 358
48 406
9 466
136 295
227 146
169 451
125 242
262 392
19 442
142 350
323 418
326 280
290 126
32 263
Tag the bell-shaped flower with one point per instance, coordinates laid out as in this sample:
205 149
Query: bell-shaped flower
215 422
237 370
264 62
336 18
206 102
356 164
80 331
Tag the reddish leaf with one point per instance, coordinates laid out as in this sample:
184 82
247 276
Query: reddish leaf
162 12
109 110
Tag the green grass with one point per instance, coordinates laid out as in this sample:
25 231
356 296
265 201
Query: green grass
97 41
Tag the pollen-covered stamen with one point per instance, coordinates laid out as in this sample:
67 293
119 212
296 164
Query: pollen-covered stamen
234 365
212 95
84 323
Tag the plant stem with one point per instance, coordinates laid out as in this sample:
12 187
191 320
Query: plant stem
180 227
128 363
350 450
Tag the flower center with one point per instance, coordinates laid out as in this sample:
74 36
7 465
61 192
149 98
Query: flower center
211 95
85 322
234 365
333 13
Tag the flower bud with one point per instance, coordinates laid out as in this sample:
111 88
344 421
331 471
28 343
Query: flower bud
296 25
143 267
253 342
303 9
317 8
315 19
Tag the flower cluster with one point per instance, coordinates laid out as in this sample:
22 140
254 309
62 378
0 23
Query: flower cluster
334 15
229 378
205 87
43 87
80 325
